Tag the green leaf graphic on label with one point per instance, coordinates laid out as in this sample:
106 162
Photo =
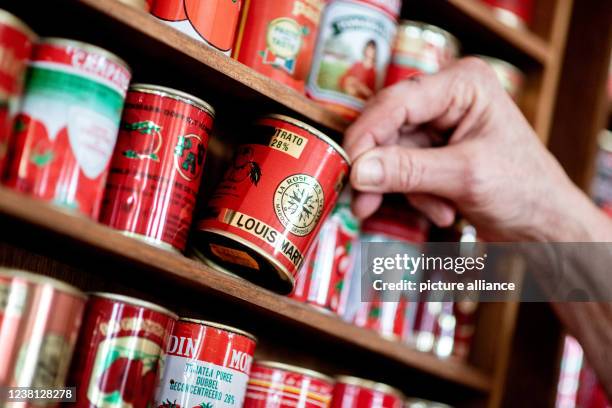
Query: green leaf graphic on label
20 125
146 127
375 312
41 160
130 154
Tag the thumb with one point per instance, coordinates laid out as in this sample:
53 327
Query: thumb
396 169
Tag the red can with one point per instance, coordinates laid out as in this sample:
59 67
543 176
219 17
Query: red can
214 22
353 392
207 364
420 48
265 214
516 13
157 166
327 267
16 40
118 354
511 78
67 127
281 385
278 38
39 323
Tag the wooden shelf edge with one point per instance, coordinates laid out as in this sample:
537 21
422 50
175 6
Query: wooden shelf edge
524 40
146 24
178 267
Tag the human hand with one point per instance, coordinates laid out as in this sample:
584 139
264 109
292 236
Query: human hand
494 169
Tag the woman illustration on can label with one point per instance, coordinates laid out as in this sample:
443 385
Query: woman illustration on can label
359 80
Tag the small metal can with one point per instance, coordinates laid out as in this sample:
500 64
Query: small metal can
39 324
67 127
515 13
420 48
16 41
269 208
214 22
156 169
278 38
117 359
207 364
281 385
322 278
353 392
511 78
352 53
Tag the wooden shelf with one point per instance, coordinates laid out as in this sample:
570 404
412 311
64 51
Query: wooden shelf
233 289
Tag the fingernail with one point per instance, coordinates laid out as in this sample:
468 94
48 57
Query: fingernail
370 172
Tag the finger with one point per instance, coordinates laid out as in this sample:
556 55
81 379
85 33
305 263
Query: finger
365 204
440 171
438 210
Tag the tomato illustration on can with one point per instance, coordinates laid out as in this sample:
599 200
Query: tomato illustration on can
278 38
353 392
39 323
157 166
267 211
67 127
207 364
16 40
118 354
286 386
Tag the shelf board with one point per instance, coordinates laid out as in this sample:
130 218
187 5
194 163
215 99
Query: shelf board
232 289
142 22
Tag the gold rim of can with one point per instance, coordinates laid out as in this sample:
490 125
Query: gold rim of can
295 369
372 385
67 42
497 61
452 40
156 243
134 302
283 272
605 140
33 277
221 326
15 22
310 129
426 403
174 94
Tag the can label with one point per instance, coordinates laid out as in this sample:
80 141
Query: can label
521 11
15 49
352 54
278 38
66 131
275 194
205 367
269 386
355 396
157 167
212 22
118 356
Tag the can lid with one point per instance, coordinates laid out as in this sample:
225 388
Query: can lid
13 21
134 301
421 403
497 61
219 326
450 38
295 369
174 94
312 130
66 42
373 385
605 140
42 280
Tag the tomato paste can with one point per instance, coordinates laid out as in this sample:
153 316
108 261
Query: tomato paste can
156 169
511 78
353 392
420 48
278 38
16 40
39 324
515 13
207 365
265 214
352 53
117 359
322 278
213 22
67 127
281 385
